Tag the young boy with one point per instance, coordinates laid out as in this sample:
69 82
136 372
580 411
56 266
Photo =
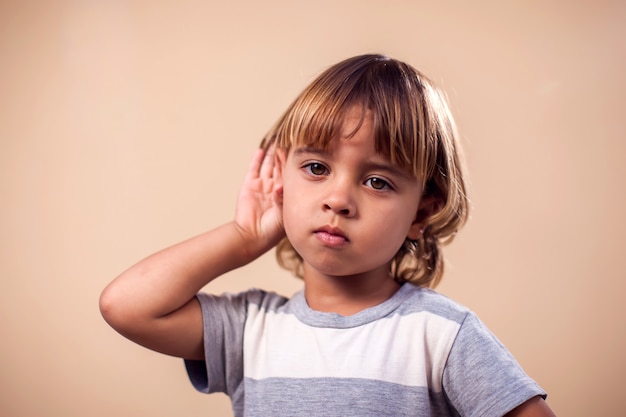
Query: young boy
359 184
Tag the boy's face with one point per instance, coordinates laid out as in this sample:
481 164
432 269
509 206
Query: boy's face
348 210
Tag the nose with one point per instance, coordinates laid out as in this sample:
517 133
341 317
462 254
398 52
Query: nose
340 198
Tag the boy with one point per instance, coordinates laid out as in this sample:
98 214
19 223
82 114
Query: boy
359 184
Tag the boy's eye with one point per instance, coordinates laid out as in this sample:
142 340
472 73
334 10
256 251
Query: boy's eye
377 183
316 168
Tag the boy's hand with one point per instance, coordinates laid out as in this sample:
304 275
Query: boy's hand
259 207
153 303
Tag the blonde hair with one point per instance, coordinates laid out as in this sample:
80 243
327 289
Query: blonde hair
413 127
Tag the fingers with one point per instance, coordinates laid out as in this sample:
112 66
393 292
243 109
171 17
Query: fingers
263 165
267 165
255 164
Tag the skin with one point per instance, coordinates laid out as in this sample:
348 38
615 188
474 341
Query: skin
335 208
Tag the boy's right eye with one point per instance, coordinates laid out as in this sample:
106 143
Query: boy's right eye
315 168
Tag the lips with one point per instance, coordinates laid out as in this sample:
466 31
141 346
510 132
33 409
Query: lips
331 236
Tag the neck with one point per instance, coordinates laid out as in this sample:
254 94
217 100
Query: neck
347 295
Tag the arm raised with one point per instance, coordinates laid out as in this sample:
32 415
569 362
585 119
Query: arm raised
153 303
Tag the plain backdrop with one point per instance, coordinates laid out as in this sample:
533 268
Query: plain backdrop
126 126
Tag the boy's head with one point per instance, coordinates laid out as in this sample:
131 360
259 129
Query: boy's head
412 127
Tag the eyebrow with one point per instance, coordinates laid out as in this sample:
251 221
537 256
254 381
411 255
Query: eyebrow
370 165
310 150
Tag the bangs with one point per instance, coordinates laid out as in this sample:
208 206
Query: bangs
411 121
412 127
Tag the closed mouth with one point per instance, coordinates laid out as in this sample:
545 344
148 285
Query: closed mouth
331 234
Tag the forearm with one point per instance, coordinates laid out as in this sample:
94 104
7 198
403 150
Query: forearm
164 281
535 407
153 303
148 302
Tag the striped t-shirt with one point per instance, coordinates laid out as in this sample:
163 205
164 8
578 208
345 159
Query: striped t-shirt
416 354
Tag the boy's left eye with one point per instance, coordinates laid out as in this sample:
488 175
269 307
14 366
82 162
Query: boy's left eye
378 183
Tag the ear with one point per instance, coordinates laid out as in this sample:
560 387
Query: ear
428 206
280 157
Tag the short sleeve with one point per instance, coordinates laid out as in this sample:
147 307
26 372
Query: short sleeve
481 377
223 320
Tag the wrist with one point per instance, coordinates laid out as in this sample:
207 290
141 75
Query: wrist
250 246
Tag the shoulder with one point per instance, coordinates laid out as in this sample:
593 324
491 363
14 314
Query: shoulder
480 377
425 300
252 299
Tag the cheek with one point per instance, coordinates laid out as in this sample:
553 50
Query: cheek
294 192
398 222
289 180
290 193
293 206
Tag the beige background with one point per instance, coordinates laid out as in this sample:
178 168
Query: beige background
126 126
